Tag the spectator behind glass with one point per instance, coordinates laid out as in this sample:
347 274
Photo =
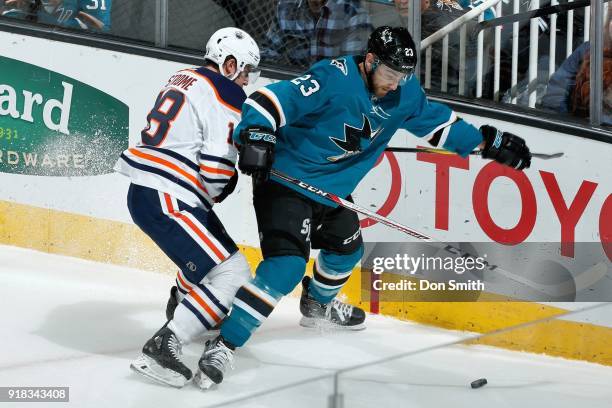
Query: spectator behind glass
580 98
99 10
67 13
306 31
19 9
560 91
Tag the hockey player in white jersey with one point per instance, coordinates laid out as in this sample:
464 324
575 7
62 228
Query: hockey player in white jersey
183 165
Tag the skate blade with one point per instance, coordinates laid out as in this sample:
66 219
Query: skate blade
149 368
314 323
202 381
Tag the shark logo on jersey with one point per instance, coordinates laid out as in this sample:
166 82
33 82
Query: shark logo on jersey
351 145
378 111
340 64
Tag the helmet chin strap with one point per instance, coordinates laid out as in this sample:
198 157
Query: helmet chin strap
370 74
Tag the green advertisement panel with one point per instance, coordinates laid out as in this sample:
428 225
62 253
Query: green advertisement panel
54 125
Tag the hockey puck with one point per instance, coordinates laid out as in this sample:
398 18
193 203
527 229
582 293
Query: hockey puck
479 383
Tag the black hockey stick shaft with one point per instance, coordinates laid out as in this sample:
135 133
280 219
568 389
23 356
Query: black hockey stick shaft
544 156
351 206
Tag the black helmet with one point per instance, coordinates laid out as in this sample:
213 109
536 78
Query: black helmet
394 47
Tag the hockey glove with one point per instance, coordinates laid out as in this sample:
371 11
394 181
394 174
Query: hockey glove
228 189
505 148
257 152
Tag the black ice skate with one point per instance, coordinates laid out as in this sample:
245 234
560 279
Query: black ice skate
336 314
172 303
215 360
160 359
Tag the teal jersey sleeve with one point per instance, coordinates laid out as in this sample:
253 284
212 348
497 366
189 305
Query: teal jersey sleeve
438 124
62 14
290 101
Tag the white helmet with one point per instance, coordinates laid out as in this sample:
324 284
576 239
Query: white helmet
237 43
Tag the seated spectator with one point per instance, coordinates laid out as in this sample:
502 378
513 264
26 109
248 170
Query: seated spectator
306 31
66 13
567 90
563 81
19 9
95 14
56 12
580 98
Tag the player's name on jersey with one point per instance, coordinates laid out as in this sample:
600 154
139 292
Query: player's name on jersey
427 285
181 81
42 160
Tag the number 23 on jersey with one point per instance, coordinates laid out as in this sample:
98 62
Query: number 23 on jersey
307 86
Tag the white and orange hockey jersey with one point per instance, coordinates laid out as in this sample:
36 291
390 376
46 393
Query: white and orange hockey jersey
186 149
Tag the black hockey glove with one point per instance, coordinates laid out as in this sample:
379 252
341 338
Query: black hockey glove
505 148
228 189
257 152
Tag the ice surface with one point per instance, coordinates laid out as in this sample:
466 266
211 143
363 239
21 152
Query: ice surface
76 323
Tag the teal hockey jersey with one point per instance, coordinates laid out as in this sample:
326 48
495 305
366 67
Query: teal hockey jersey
330 130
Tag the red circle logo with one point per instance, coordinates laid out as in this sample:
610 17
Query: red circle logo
394 193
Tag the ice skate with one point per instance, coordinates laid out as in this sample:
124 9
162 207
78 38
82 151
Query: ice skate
160 360
213 364
335 315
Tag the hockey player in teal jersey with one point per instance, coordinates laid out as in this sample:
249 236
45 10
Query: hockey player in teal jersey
327 128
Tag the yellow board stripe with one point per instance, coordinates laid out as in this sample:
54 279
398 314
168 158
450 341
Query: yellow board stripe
120 243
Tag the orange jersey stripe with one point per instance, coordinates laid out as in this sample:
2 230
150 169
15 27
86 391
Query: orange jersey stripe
217 171
178 275
227 105
202 303
185 284
172 166
200 234
193 227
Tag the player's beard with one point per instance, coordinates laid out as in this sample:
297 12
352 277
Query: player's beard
381 91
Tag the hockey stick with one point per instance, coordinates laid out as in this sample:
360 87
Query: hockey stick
589 277
351 206
544 156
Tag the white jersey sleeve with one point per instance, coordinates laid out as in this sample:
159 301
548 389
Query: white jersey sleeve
186 148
